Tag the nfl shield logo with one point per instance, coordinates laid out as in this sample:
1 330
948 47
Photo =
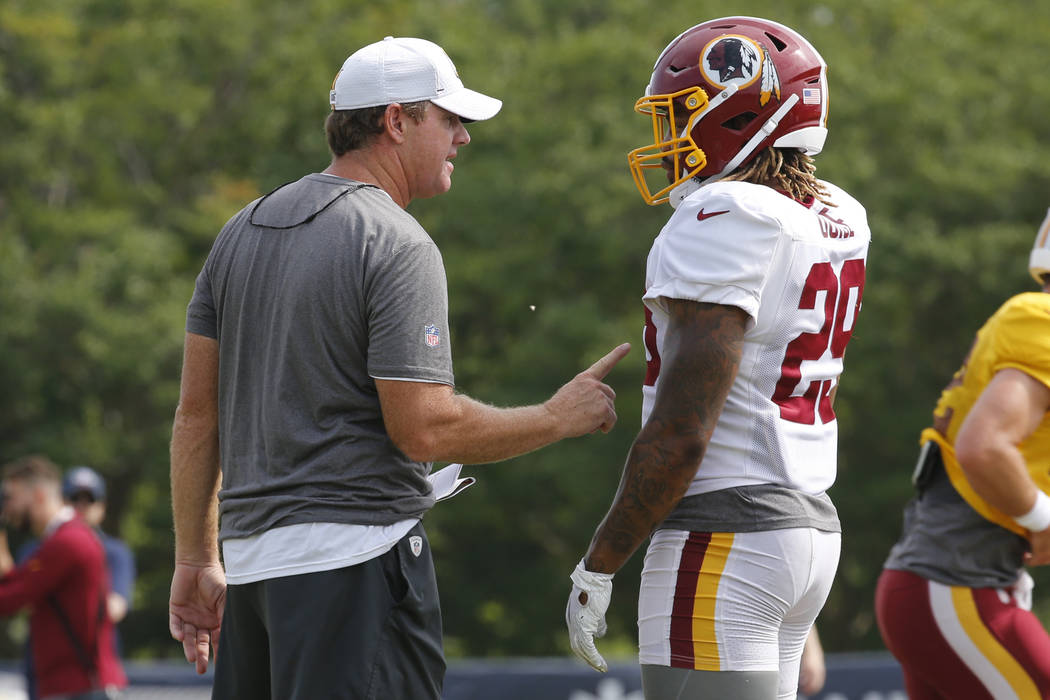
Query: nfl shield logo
415 543
431 335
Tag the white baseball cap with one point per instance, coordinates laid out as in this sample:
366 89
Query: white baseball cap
407 70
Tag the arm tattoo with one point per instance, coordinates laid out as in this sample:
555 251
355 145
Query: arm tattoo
701 354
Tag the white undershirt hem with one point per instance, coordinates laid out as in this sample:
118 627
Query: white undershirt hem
307 548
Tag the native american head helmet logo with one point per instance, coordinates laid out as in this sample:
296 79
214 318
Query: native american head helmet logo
730 58
734 59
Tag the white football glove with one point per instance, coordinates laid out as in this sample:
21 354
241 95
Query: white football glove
586 620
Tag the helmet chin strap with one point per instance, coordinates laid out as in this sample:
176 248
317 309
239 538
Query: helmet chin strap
684 189
687 187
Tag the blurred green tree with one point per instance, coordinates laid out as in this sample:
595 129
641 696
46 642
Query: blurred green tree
133 130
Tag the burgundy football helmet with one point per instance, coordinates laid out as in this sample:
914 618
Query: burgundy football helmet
720 93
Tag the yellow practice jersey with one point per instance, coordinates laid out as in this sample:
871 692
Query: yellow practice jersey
1017 336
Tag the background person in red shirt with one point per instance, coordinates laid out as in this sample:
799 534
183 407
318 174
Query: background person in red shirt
64 585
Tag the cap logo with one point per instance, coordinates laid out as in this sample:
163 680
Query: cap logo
733 59
331 94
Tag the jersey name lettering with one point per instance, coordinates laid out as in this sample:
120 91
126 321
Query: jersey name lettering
833 228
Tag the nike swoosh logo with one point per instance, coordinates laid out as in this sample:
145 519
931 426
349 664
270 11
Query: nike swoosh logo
700 215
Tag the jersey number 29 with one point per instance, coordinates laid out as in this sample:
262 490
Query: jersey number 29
832 335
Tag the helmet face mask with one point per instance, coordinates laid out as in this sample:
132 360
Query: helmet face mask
672 141
762 85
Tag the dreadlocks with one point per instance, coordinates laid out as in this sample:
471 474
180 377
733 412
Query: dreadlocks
786 169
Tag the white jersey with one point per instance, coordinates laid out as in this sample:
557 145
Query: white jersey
798 272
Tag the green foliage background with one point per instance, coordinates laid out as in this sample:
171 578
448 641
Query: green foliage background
131 131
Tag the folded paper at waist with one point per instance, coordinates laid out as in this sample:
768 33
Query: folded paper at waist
447 482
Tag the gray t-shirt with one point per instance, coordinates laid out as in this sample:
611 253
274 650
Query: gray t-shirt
945 540
312 292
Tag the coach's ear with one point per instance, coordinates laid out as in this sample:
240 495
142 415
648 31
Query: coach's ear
394 120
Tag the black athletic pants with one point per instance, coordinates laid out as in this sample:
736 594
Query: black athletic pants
365 632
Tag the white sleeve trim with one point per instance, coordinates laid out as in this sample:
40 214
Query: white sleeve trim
409 379
726 295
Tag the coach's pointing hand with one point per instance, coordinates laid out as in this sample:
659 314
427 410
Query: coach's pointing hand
586 404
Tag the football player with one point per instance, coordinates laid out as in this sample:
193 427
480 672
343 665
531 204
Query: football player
753 288
953 601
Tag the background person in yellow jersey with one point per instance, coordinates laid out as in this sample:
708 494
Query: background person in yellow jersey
953 601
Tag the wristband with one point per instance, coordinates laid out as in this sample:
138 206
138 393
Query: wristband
1037 519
